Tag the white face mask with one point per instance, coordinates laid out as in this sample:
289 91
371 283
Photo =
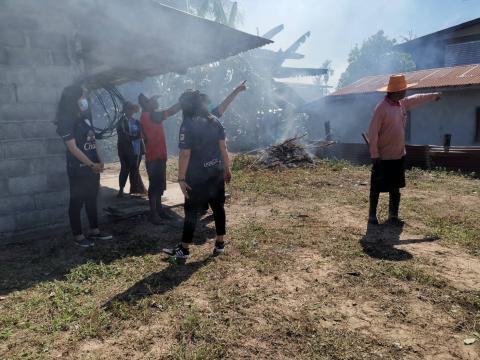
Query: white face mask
83 104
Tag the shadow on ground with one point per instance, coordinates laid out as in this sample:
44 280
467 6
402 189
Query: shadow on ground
23 265
380 240
159 283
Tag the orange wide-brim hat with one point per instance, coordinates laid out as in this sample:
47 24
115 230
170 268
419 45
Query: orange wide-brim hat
396 83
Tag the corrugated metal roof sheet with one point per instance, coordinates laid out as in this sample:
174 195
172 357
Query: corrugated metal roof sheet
440 35
466 75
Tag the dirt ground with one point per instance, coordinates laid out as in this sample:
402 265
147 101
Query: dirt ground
303 277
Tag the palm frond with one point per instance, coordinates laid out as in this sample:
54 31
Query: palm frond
219 12
203 9
233 15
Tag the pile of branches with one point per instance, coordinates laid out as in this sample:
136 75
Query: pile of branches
289 154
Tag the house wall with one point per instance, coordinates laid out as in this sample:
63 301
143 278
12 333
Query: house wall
35 64
455 114
431 52
349 116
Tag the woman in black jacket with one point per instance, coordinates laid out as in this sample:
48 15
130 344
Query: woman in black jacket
130 150
203 169
84 165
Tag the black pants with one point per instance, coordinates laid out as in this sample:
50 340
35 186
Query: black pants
393 204
83 191
211 193
129 167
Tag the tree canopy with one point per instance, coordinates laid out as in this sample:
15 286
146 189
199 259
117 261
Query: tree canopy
377 55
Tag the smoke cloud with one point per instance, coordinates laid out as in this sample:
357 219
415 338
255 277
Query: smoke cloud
338 25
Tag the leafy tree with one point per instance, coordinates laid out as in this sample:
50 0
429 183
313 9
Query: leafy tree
377 55
218 10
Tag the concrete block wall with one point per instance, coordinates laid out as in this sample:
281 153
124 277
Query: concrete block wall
36 63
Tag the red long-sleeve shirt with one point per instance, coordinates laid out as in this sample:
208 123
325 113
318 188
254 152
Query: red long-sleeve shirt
387 127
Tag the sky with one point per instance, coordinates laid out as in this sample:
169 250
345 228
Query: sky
337 25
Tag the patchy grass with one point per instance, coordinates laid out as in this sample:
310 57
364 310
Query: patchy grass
302 278
409 272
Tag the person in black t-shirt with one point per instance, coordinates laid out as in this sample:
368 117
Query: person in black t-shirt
219 110
74 125
204 167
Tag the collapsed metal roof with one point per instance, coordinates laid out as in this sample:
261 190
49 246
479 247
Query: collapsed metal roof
128 41
457 76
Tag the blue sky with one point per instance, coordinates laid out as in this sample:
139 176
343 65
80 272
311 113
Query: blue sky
337 25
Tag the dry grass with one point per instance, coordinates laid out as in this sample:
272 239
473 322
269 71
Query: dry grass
300 279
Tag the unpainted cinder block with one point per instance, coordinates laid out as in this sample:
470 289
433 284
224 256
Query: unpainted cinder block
14 168
16 204
7 93
37 218
37 94
7 224
27 184
51 200
24 149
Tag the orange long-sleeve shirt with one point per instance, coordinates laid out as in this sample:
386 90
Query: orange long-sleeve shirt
387 127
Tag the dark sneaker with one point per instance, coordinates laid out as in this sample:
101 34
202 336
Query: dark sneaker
101 236
85 243
219 248
372 220
178 252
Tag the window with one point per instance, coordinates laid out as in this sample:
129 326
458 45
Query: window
477 126
408 127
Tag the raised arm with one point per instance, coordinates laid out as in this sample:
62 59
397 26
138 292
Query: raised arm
220 109
373 131
413 101
162 115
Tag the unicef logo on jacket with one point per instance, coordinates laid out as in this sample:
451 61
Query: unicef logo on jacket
211 163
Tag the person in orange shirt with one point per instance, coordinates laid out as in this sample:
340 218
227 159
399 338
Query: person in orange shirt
156 156
386 137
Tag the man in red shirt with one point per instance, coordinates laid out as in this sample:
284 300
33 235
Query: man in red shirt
155 152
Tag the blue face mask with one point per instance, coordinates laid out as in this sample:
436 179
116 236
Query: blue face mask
210 107
83 104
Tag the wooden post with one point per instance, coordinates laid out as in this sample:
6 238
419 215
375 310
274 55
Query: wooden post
365 138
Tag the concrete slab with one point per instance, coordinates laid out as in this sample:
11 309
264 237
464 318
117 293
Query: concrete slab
173 196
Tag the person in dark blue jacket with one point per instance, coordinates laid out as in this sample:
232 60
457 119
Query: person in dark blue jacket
204 167
130 150
84 164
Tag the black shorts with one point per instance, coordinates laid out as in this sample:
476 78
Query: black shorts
388 175
157 176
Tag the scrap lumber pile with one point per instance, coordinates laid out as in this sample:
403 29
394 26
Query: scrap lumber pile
289 154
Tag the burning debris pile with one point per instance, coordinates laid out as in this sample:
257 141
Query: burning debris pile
289 154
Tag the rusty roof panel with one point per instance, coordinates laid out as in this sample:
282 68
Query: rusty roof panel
466 75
